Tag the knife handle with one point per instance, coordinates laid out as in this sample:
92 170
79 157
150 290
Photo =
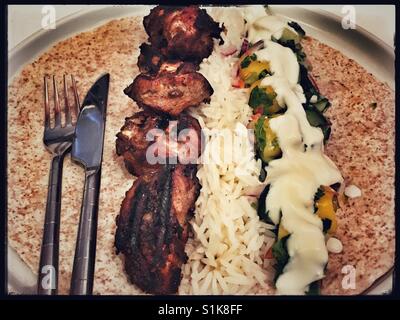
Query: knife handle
48 265
85 251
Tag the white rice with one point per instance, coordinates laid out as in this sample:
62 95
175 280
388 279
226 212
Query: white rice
225 256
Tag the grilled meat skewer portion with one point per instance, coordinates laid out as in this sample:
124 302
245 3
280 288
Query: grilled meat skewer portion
173 89
184 33
147 134
152 227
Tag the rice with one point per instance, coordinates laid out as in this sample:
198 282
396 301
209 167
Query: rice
225 256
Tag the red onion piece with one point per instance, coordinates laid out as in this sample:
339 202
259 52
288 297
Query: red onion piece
255 47
244 47
235 70
228 50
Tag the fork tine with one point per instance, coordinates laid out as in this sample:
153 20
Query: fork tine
77 105
67 106
46 104
57 110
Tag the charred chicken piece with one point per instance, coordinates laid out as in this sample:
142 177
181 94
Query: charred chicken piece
182 32
150 59
154 23
152 227
175 88
168 140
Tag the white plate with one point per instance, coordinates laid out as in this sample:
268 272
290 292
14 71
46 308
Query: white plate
372 53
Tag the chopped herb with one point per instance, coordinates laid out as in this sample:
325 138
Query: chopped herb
373 105
253 57
263 174
322 103
313 289
280 253
260 134
316 119
254 205
326 131
318 195
263 74
326 223
258 97
261 209
245 63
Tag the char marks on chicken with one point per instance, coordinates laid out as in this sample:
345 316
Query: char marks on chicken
152 228
173 89
171 141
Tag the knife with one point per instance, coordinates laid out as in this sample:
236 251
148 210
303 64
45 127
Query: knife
87 149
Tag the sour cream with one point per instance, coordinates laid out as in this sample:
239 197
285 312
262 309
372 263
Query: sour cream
352 191
282 61
267 26
334 245
303 168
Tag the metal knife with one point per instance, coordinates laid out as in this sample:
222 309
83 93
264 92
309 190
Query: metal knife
87 148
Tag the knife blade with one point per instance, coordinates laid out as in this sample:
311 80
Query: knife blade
87 149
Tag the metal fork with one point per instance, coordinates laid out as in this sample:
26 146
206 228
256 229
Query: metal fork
58 140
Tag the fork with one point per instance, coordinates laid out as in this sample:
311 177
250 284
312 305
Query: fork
58 140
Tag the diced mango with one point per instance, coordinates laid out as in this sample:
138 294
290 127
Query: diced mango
326 209
251 73
272 149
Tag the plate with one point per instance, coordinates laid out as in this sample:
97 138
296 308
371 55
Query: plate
371 52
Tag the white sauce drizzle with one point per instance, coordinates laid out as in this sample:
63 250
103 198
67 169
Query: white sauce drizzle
303 168
267 26
282 60
334 245
352 191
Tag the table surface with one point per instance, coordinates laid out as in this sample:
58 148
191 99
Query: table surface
24 20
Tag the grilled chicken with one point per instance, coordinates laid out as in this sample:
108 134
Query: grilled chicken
152 228
173 89
150 59
132 144
182 32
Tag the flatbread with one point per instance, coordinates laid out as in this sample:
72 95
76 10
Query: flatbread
362 145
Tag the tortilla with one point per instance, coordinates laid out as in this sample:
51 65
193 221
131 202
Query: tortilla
362 145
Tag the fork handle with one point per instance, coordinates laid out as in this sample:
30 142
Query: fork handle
48 265
85 251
